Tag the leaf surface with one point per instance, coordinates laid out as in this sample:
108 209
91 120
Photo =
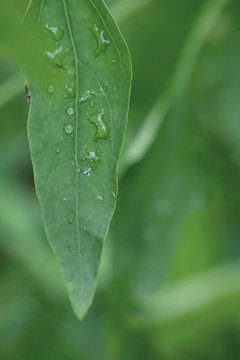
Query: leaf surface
79 103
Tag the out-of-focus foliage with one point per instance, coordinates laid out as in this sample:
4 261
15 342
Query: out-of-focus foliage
170 281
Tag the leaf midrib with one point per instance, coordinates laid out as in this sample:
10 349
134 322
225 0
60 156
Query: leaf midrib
76 140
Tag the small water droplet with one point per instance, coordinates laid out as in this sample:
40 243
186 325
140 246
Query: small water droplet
65 199
113 194
51 89
70 111
70 221
70 70
56 32
90 97
104 88
70 92
101 126
68 128
57 151
102 43
99 197
88 172
114 61
78 170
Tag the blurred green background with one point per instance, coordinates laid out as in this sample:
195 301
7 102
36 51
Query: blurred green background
170 276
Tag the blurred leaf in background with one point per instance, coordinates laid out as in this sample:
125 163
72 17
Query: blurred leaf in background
170 280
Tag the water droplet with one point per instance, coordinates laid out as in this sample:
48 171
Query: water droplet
102 43
104 88
56 32
99 197
90 97
68 128
88 172
65 199
57 56
51 89
78 170
70 92
114 61
70 111
70 221
70 70
92 159
113 194
57 151
101 126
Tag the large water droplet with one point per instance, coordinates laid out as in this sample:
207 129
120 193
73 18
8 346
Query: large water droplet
56 32
57 56
51 89
102 43
70 92
101 126
70 111
68 128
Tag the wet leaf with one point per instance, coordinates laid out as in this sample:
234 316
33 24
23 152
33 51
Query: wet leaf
77 119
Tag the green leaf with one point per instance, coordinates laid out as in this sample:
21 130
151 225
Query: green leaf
77 119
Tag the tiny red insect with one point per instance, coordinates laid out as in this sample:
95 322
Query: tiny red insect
27 93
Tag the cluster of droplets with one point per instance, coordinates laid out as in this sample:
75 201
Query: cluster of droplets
90 98
90 160
58 57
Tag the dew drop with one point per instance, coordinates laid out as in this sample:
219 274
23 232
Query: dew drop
70 221
58 57
70 111
104 88
51 89
102 43
70 92
92 159
99 197
90 97
88 171
68 128
113 194
57 151
101 126
56 32
70 70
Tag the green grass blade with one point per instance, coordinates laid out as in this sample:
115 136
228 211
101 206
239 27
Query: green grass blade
178 82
